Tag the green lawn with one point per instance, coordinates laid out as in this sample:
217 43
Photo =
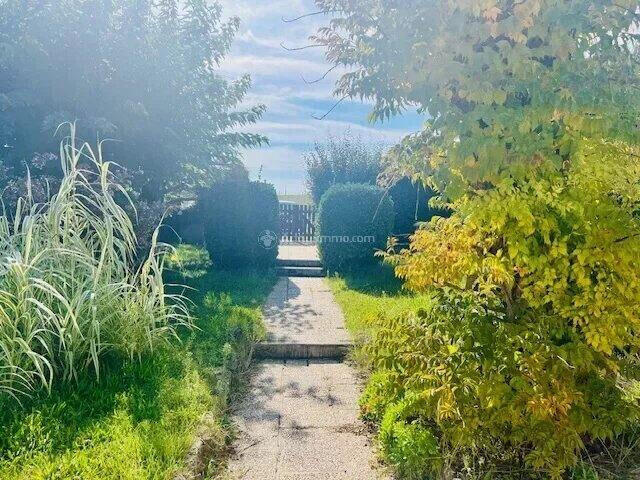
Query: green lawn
139 420
366 293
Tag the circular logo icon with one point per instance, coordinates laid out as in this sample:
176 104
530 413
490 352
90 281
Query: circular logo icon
267 239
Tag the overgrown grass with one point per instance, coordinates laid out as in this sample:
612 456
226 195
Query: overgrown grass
139 420
366 293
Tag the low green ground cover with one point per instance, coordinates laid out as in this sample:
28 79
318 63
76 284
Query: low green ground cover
369 292
139 420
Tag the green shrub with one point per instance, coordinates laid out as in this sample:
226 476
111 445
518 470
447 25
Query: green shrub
485 381
350 160
140 420
225 213
69 293
353 221
265 219
229 219
408 444
190 261
545 187
346 159
380 392
411 206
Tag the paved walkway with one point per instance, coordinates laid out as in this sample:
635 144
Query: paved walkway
297 251
302 310
300 419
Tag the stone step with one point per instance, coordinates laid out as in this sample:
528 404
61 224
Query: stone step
298 351
299 263
301 272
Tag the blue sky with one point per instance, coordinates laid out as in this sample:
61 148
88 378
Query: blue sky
278 83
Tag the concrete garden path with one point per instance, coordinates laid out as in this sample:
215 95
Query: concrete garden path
299 421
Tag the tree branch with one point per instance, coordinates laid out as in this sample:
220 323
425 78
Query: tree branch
289 49
331 109
307 15
321 78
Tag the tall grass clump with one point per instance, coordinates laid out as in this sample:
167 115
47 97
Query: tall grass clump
70 290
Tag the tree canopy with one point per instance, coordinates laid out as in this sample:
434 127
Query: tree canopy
143 73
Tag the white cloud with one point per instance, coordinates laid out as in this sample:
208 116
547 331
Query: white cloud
272 66
274 157
309 130
282 165
278 84
289 37
250 10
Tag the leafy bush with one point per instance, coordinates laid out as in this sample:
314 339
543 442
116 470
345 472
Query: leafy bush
140 420
411 206
464 377
533 142
265 219
350 160
353 221
68 290
144 73
408 444
381 391
189 261
229 219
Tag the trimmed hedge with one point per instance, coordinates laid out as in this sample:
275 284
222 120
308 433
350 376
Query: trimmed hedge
228 220
348 161
354 220
265 217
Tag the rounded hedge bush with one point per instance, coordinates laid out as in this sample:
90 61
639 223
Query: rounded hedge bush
354 220
230 219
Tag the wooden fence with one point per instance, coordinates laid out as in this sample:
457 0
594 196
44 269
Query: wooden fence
297 223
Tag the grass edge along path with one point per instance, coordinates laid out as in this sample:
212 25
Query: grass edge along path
140 420
367 293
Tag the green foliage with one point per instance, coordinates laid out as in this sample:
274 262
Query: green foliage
464 377
381 391
408 444
189 260
533 143
411 205
232 215
139 421
353 221
69 293
584 472
350 160
265 223
144 73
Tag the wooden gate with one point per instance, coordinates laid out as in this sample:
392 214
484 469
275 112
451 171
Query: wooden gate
297 223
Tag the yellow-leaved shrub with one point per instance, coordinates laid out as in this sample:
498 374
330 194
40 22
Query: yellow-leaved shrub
533 144
538 330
